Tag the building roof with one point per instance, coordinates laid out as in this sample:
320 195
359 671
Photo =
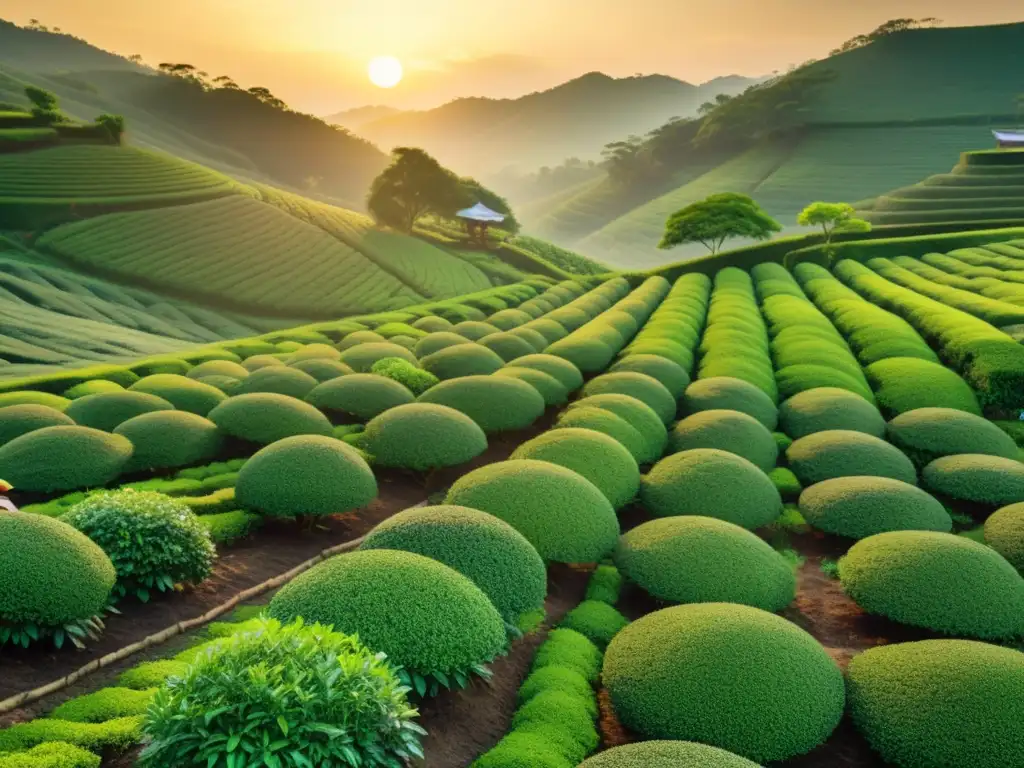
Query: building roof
481 212
1014 136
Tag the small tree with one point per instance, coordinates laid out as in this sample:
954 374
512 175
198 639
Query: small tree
44 105
114 125
414 185
714 220
832 218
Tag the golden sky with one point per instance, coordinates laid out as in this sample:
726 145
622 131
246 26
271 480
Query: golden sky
313 53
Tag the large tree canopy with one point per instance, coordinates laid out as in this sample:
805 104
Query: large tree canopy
717 218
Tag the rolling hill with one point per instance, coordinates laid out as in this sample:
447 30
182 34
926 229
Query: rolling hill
887 115
576 118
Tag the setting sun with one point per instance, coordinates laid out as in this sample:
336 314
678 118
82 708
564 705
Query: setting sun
385 71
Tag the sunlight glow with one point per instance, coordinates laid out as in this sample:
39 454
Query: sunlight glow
385 71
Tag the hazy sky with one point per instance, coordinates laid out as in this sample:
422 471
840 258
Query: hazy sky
313 53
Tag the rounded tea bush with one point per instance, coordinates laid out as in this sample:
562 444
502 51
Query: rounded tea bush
422 437
91 387
257 362
926 434
644 388
711 483
105 411
314 352
413 378
305 475
488 551
587 353
168 439
226 384
264 417
564 515
1004 532
495 403
361 358
607 423
670 374
704 560
312 680
462 360
425 616
63 459
474 330
435 342
218 368
507 319
601 459
845 453
18 420
937 581
726 675
725 393
356 338
827 408
153 541
184 393
50 574
667 754
567 373
862 506
637 414
940 703
551 390
730 431
508 346
280 381
981 479
321 368
29 397
362 395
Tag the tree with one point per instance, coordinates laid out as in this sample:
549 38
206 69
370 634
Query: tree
264 95
474 192
44 105
717 218
414 185
114 125
890 27
832 218
627 161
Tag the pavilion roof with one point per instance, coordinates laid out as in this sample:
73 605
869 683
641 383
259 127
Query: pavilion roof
1015 136
481 212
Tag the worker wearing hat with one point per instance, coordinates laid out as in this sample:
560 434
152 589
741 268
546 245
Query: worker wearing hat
6 505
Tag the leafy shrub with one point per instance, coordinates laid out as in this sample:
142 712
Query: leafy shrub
711 483
226 384
154 541
703 560
507 319
151 674
988 480
318 697
435 342
670 374
725 393
647 390
730 431
828 408
547 328
258 362
28 397
588 353
1004 532
667 754
605 584
426 617
18 420
229 527
362 357
54 582
563 719
362 395
264 417
432 324
638 415
486 550
508 346
538 342
322 369
462 360
595 456
474 330
391 331
596 620
926 434
859 507
844 453
114 736
938 581
422 436
727 675
164 439
495 403
548 387
184 393
568 649
416 380
279 380
969 712
95 387
356 338
564 515
106 411
305 475
104 704
218 368
63 459
520 749
904 384
53 754
786 483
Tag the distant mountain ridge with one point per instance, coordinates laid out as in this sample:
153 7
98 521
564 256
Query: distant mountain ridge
355 118
576 118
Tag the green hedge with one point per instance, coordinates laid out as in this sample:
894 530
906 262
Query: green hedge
601 459
218 368
18 420
264 417
726 675
940 703
169 439
644 388
667 754
711 483
927 434
425 616
183 393
422 437
279 380
462 360
905 384
937 581
730 431
474 330
508 346
484 549
63 459
362 395
53 754
495 403
106 411
703 560
112 737
607 423
859 507
988 480
670 374
1004 532
94 387
322 369
844 453
563 515
595 620
637 414
826 408
361 357
551 390
725 393
435 342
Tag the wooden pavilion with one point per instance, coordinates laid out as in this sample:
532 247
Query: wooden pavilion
478 219
1007 139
